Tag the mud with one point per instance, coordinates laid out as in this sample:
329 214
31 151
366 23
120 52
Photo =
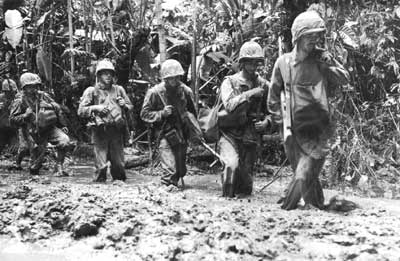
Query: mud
70 218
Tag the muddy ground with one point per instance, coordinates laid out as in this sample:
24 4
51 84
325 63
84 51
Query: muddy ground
69 218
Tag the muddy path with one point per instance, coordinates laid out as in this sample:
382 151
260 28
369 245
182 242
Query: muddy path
70 218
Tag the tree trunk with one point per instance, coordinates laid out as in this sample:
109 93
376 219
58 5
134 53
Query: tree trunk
194 55
71 43
161 32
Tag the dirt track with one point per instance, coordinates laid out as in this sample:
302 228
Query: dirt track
69 218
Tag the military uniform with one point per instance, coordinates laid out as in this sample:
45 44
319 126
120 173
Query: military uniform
238 143
173 131
7 132
308 81
37 137
107 137
239 140
107 131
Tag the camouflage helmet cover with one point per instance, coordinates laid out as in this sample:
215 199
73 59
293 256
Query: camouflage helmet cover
306 23
171 68
29 79
251 50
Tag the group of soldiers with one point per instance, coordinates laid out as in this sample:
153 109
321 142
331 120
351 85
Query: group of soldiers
296 99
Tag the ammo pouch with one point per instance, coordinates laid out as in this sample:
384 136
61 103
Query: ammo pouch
46 118
174 138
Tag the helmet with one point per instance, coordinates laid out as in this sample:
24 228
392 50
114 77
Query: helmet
171 68
29 79
104 65
9 85
251 50
306 23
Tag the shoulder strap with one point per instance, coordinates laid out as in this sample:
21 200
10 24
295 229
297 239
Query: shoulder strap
161 98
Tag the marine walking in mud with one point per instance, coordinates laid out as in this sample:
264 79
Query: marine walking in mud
243 97
8 132
42 122
302 80
7 94
168 106
105 105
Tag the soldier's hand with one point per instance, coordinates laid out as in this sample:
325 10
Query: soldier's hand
121 101
262 125
324 56
28 113
327 57
100 109
168 110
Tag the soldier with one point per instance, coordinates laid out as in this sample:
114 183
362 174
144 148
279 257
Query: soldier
304 77
42 121
244 100
106 105
7 94
166 106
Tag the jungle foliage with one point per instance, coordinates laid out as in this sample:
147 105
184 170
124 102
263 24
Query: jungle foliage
362 34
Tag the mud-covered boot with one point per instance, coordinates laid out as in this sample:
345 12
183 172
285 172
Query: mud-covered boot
33 171
100 175
15 166
59 171
293 195
228 189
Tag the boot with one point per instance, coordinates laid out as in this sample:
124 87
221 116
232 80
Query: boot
100 175
59 171
228 189
33 171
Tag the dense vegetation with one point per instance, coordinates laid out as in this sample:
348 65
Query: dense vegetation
362 34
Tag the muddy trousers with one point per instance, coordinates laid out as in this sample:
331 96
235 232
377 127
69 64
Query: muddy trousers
239 158
25 142
173 162
108 145
305 183
54 136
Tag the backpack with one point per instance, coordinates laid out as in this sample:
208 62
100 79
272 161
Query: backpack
208 121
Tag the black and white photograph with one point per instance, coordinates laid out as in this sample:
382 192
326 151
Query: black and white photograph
232 130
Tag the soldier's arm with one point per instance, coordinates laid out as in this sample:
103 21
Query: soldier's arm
86 103
18 115
190 102
266 86
149 113
274 94
128 103
230 99
335 72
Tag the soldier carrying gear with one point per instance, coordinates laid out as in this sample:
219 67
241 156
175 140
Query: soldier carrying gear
9 90
243 97
305 76
168 106
42 121
105 105
7 93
